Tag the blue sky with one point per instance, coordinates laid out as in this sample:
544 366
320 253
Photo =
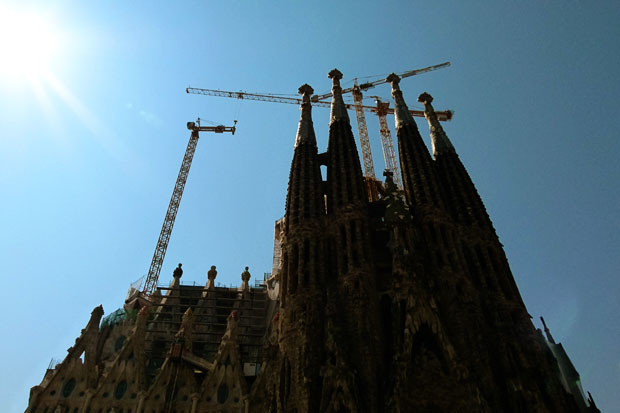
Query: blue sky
92 133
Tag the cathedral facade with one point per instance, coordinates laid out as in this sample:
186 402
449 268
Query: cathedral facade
399 302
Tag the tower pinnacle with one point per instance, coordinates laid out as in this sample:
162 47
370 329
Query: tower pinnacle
304 199
401 112
419 180
305 132
335 75
305 90
338 110
345 181
439 139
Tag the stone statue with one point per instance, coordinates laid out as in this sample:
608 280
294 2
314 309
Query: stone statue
245 275
212 273
245 278
178 271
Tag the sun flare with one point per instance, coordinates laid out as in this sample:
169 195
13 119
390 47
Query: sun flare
28 45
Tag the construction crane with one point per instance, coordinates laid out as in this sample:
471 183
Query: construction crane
389 154
386 139
369 169
164 236
380 110
368 85
441 115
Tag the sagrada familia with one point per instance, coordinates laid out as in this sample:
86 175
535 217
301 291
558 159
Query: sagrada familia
404 303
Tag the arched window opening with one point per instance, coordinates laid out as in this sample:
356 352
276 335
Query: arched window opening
425 348
120 390
471 267
354 246
481 259
306 254
343 249
68 387
444 235
222 393
293 269
387 330
118 344
285 276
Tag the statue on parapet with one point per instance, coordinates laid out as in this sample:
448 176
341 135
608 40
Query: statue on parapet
178 271
211 278
245 278
245 275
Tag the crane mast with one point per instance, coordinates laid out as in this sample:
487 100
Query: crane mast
389 154
166 230
369 169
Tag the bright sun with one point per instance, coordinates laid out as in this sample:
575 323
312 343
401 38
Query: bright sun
28 45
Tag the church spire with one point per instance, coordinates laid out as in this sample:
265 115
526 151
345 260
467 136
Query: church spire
421 186
461 195
338 109
305 198
344 172
401 112
305 130
439 139
302 270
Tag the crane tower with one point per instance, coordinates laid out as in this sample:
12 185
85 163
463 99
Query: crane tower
166 230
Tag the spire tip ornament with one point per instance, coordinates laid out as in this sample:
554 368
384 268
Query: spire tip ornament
394 80
439 139
338 109
305 91
335 75
425 98
401 112
305 130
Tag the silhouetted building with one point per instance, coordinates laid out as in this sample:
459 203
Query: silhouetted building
404 303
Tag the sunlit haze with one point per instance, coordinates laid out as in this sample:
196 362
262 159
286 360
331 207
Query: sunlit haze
28 44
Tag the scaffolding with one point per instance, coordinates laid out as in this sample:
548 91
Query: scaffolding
211 309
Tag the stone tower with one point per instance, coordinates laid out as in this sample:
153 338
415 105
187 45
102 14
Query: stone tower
401 304
303 273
